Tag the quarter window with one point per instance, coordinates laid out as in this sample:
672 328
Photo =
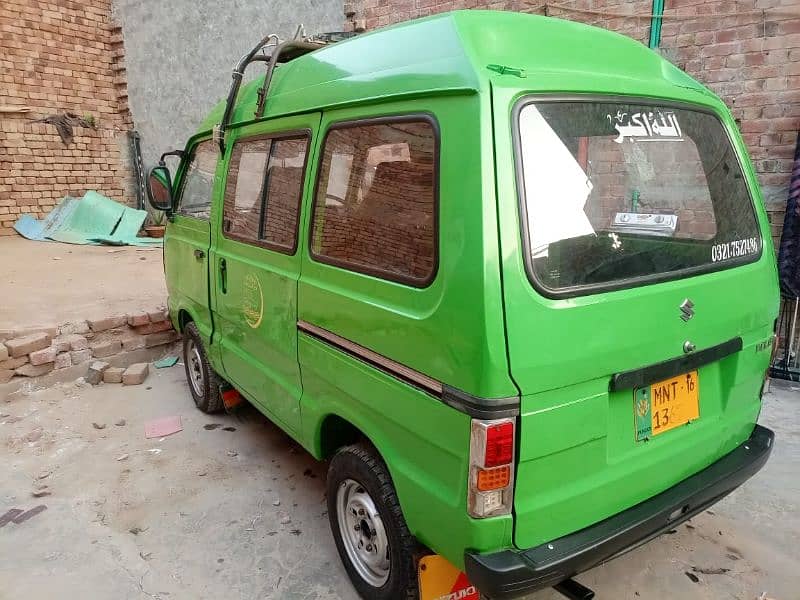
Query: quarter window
198 182
263 191
375 208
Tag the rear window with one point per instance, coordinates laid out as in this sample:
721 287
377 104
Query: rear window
619 194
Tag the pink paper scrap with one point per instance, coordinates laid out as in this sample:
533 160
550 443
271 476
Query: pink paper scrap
162 427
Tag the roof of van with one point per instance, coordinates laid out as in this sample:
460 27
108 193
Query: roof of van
451 53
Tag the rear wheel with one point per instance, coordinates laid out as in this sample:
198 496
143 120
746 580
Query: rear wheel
203 381
377 549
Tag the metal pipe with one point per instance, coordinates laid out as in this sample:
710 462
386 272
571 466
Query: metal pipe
299 47
655 23
237 75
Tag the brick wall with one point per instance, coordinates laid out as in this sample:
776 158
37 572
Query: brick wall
750 58
60 57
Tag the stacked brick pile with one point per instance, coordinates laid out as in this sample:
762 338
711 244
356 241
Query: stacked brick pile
37 352
102 371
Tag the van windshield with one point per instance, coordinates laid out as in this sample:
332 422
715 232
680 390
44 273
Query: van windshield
619 194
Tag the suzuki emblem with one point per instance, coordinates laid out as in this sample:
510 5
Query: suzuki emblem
687 309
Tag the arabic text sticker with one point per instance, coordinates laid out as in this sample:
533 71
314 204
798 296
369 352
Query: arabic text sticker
646 126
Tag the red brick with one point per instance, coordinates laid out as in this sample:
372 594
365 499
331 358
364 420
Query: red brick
113 375
138 319
95 373
158 339
133 342
63 360
80 356
34 370
106 349
14 363
25 345
153 328
135 374
106 323
159 315
40 357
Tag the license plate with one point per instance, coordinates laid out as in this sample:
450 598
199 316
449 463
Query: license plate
440 580
665 405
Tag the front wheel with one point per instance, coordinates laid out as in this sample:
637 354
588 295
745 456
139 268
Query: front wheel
377 549
203 381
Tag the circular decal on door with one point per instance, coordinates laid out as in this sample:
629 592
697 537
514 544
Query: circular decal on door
252 300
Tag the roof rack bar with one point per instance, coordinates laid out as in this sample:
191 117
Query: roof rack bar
238 74
288 51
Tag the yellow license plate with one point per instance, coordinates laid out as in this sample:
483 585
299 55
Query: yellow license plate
665 405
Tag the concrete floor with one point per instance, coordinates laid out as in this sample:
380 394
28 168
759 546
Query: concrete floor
241 514
81 281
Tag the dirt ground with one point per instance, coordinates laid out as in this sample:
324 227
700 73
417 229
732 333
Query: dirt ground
80 281
237 510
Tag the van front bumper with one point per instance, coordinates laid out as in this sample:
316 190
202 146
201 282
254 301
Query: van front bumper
513 573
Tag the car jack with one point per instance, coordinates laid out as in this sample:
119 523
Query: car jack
573 590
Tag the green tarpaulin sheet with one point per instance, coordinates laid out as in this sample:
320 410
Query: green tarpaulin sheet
93 219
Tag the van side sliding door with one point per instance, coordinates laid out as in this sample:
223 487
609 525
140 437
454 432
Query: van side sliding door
255 263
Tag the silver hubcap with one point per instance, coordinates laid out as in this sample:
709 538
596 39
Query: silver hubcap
363 534
194 367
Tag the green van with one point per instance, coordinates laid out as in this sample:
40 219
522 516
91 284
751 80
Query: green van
511 275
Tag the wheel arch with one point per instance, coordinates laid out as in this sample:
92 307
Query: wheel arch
184 318
334 432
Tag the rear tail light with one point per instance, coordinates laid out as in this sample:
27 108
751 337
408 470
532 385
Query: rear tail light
493 479
499 444
491 468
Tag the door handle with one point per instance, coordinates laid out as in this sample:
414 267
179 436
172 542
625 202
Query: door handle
199 254
223 276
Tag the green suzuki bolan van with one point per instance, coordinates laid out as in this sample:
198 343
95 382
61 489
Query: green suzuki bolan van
512 275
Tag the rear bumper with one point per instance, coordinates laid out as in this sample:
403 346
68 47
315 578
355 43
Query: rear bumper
513 573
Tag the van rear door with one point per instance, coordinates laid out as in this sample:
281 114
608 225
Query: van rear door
639 300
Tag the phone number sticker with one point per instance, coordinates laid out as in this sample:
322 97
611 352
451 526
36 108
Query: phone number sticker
734 249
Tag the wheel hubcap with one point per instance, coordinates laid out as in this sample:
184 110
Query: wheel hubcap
363 534
194 367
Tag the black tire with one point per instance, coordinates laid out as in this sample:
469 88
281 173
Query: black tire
361 464
207 398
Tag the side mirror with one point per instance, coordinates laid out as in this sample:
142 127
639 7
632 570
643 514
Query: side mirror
159 188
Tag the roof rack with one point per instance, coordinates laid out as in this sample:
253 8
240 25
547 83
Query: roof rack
283 52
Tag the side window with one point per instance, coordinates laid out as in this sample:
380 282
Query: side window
198 182
375 209
263 191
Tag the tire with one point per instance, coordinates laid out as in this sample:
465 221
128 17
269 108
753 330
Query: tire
203 381
358 473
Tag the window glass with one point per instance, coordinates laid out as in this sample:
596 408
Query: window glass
618 191
284 186
241 211
375 210
263 191
198 181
